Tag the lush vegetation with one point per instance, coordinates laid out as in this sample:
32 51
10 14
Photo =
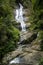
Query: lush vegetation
37 19
9 35
41 61
37 22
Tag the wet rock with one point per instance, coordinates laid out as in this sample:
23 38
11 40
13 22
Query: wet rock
11 55
22 64
33 57
26 53
29 38
29 54
36 47
24 37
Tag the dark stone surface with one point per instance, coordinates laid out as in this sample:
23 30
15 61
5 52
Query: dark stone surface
29 40
22 64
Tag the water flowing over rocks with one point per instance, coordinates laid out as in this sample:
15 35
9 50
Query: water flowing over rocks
27 53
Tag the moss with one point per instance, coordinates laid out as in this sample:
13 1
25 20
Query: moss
41 61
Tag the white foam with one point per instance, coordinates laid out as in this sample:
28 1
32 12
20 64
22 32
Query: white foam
19 17
16 60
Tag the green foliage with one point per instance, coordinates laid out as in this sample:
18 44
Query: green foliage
9 35
37 19
33 2
26 3
37 25
12 3
40 34
40 37
41 61
41 45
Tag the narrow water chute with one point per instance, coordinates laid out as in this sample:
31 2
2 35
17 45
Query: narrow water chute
19 17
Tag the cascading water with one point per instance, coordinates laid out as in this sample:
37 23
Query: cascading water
19 17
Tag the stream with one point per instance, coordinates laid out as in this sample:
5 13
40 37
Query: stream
28 50
20 19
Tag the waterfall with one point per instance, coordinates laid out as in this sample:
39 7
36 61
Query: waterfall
19 17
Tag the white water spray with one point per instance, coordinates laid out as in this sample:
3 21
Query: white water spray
19 17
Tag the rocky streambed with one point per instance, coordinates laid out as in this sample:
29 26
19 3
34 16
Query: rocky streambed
26 54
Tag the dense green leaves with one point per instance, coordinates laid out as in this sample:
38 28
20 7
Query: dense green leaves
9 35
37 22
37 19
41 61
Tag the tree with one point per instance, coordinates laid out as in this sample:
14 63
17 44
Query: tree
37 18
9 35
